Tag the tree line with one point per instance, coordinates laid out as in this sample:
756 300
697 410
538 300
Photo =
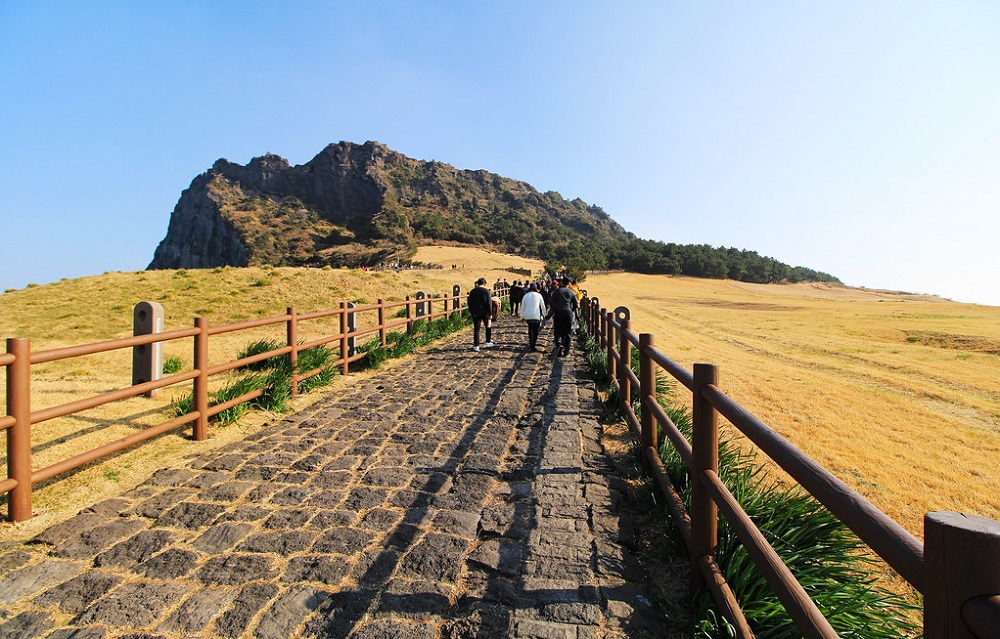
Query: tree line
696 260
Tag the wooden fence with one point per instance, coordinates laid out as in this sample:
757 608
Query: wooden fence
19 358
956 568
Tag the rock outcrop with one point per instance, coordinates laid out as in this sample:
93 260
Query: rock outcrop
198 235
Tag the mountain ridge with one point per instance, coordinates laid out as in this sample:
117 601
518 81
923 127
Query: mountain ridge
361 204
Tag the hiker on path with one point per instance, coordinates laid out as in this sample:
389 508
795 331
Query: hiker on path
532 312
480 304
562 311
516 295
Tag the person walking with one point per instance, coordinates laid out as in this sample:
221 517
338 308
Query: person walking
516 295
562 310
480 303
532 312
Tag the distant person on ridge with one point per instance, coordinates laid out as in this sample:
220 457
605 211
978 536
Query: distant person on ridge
562 311
481 308
532 312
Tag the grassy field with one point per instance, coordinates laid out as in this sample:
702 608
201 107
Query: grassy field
896 394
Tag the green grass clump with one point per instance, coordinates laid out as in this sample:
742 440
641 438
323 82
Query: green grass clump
597 359
272 375
258 347
311 359
375 353
399 344
172 365
829 561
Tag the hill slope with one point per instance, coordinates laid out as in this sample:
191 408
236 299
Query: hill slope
364 204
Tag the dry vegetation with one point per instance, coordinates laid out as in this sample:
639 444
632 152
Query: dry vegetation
896 394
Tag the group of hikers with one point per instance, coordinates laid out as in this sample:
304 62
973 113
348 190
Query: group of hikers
535 302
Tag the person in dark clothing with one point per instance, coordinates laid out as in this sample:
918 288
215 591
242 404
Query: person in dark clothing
480 303
516 295
562 309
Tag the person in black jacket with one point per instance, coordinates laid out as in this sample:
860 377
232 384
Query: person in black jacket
516 295
562 309
481 308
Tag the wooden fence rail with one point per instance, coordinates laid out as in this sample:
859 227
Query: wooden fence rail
19 358
956 568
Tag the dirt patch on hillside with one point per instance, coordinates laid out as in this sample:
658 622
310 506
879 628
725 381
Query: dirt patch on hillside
744 306
837 292
973 343
464 257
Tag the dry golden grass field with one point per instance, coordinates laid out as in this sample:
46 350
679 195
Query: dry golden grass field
896 394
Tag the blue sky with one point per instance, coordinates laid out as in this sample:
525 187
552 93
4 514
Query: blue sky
857 138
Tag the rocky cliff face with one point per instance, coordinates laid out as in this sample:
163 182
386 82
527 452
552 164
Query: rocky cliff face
219 217
198 235
356 204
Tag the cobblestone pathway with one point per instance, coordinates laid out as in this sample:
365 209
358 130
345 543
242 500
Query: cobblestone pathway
458 494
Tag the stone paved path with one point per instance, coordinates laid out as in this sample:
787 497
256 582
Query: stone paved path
457 494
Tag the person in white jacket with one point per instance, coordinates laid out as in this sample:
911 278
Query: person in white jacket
533 311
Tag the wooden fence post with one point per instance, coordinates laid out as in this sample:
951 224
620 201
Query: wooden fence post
409 316
344 348
625 353
201 382
647 382
705 456
612 367
595 303
381 321
456 303
602 331
292 335
961 576
19 435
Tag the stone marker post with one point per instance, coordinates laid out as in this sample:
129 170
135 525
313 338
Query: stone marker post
147 359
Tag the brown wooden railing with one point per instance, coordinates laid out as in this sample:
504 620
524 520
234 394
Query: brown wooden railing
956 568
19 359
